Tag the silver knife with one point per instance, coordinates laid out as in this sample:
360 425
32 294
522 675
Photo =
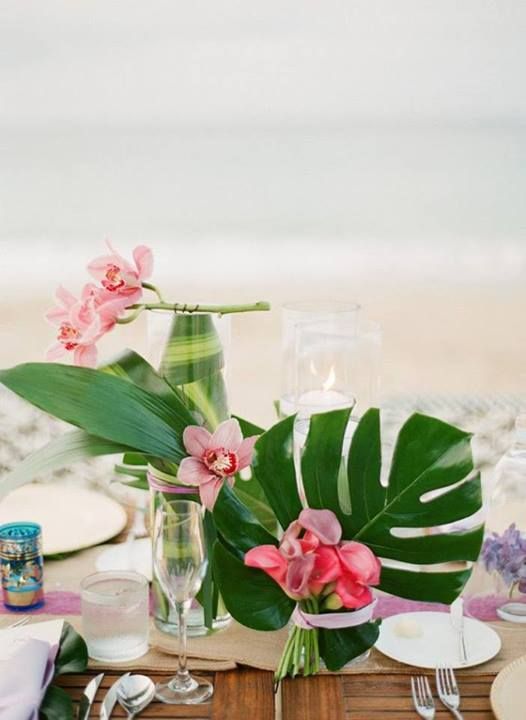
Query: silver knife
110 699
457 621
88 696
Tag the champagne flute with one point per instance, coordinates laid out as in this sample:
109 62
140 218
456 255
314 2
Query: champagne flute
180 562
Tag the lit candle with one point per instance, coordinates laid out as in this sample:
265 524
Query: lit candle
324 399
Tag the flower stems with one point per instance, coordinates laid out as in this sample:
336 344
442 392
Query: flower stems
301 653
191 308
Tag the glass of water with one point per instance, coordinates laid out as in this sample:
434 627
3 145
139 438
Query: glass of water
115 615
180 561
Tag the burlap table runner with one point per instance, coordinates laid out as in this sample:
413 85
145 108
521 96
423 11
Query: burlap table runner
238 645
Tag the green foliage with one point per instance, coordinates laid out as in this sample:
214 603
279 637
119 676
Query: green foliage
60 452
72 657
338 647
193 363
103 405
430 485
252 597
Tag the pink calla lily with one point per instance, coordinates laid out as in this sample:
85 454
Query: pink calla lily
323 524
360 562
269 559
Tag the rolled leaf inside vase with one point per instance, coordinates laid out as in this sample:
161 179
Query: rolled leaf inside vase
190 354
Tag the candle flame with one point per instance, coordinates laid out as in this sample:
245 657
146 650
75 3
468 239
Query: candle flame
331 379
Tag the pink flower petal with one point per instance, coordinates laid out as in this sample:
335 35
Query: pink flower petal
143 257
65 297
246 451
360 562
298 576
92 332
327 566
352 594
290 546
57 315
323 523
56 351
270 560
209 492
194 472
228 435
85 356
196 440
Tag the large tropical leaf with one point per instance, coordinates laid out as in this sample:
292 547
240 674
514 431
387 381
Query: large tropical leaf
131 366
273 466
106 406
251 596
430 485
193 362
62 451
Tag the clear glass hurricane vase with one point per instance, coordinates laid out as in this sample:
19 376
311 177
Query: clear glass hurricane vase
190 351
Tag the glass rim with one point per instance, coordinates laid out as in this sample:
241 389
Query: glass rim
321 307
85 584
179 501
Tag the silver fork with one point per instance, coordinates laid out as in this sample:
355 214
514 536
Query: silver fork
422 697
18 623
448 690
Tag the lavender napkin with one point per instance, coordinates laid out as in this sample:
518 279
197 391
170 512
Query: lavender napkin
26 669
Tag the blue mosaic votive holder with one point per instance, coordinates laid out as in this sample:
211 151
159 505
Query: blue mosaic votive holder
22 565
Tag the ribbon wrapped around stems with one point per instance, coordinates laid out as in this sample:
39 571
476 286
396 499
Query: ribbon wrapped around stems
156 484
333 621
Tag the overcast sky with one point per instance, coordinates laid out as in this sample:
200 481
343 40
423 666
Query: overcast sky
264 62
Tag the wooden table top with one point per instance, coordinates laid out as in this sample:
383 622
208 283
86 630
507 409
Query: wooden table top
247 694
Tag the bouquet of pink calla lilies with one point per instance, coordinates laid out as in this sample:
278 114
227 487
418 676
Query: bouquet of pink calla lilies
323 574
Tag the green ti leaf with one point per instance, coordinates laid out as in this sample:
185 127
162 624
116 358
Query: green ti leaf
60 452
102 405
193 362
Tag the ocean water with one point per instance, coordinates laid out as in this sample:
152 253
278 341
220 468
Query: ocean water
232 205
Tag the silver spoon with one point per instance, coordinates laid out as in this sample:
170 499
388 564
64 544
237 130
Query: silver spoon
134 693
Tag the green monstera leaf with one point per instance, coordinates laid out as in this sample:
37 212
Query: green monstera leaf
430 485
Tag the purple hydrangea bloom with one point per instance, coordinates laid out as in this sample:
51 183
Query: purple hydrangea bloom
506 555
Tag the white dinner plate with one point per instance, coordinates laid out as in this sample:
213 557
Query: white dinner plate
438 643
71 518
507 691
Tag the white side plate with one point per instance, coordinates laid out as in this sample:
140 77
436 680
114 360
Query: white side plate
507 691
438 643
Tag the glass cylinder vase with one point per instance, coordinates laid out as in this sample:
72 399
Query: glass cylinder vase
504 550
189 350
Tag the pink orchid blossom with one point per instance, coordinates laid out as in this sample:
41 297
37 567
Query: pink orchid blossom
119 277
80 326
214 458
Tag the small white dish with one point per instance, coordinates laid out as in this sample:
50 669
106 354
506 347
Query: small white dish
438 642
507 691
